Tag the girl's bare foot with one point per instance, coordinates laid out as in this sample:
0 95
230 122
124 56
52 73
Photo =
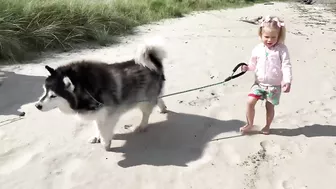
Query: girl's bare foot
265 130
246 128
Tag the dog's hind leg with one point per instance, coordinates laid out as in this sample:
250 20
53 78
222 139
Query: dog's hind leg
146 109
106 130
162 106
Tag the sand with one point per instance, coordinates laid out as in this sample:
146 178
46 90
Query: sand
197 144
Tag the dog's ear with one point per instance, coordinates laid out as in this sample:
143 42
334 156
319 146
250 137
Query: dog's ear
50 70
68 84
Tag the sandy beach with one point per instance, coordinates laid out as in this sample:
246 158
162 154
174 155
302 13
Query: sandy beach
197 145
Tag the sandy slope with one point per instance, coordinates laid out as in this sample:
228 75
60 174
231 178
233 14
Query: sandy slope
197 144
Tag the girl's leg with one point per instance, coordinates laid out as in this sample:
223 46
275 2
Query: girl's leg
251 102
269 117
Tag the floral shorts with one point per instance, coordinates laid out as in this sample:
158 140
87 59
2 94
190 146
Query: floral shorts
262 92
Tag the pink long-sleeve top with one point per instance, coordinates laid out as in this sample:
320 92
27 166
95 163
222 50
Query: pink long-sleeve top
271 66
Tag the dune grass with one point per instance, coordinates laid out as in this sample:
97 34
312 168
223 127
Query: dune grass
39 25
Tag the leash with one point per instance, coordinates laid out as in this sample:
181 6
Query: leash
233 76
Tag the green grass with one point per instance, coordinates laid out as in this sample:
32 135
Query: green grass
33 26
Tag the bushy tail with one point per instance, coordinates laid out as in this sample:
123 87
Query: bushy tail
151 54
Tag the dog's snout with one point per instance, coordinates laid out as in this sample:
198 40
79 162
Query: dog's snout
38 106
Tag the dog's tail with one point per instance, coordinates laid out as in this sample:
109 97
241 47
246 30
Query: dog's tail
151 54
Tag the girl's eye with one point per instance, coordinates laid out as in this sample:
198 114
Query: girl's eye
53 96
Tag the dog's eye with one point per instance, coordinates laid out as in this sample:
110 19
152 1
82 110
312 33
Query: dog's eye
53 96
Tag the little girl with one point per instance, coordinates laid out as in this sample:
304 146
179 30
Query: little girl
273 71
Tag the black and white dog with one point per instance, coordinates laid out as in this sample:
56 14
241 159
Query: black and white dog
102 92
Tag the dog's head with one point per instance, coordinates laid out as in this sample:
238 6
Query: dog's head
58 93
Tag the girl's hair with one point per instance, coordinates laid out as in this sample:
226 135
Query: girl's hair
273 22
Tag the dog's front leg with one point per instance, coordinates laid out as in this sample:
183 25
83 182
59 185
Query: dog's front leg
96 137
162 106
106 130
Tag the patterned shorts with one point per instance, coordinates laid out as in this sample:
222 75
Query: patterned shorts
262 92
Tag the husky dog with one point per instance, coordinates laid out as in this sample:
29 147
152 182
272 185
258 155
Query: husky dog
102 92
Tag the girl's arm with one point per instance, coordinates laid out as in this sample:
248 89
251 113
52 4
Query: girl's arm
253 60
286 65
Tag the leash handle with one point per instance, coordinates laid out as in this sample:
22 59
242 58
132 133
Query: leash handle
233 76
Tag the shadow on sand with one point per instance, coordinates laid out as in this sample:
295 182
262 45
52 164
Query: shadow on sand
315 130
178 140
17 90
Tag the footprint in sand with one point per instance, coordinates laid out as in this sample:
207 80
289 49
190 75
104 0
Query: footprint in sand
316 103
264 144
331 156
233 157
301 111
266 155
293 149
18 157
65 173
287 185
270 148
332 97
204 101
292 183
326 112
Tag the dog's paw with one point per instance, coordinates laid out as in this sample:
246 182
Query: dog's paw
94 139
106 145
141 129
163 111
162 106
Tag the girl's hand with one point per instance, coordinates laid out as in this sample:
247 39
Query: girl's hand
286 87
244 68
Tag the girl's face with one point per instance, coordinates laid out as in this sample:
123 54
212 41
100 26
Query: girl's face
269 36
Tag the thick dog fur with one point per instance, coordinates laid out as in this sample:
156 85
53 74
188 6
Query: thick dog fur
102 92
